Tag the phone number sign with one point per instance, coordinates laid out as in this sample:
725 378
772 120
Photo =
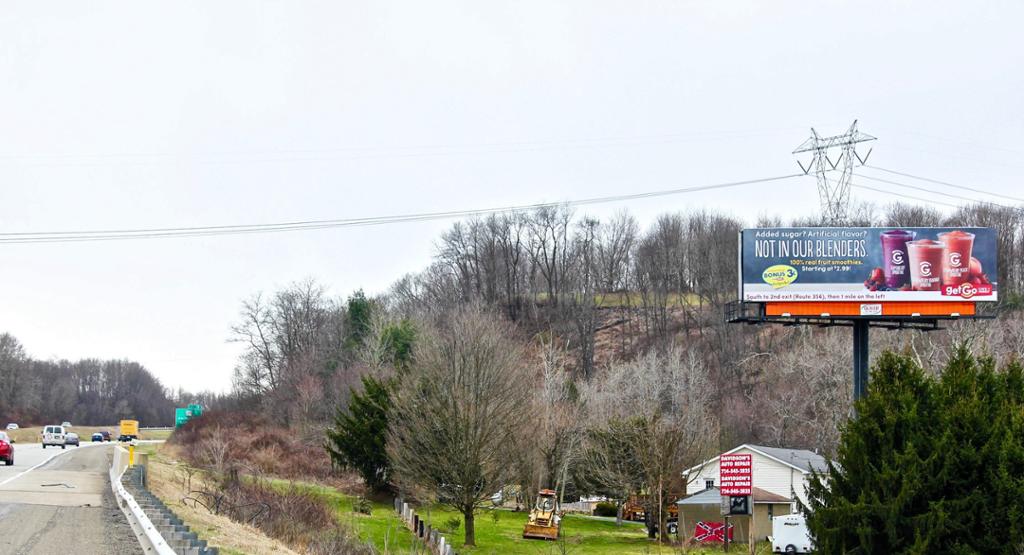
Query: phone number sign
734 474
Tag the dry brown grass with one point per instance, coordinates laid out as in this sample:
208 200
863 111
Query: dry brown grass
226 442
170 480
260 475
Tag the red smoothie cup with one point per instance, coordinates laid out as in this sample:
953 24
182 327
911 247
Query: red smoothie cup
956 256
925 264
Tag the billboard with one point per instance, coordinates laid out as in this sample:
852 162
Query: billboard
857 264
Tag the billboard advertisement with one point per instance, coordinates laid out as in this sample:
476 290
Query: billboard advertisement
860 264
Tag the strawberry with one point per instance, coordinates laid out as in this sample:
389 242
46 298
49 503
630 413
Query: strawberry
877 275
975 267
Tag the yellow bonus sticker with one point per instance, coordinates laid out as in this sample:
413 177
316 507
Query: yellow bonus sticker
779 275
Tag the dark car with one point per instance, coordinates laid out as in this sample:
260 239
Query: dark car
671 523
6 449
105 434
97 437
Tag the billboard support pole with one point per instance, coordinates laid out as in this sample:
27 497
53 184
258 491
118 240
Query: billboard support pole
860 358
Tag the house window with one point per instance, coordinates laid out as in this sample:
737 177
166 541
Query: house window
770 511
708 484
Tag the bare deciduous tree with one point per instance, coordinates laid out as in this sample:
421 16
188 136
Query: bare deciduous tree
660 406
457 416
14 377
806 392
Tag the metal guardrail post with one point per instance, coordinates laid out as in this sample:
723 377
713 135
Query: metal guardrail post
147 534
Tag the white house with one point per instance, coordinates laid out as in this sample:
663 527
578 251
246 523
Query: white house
784 472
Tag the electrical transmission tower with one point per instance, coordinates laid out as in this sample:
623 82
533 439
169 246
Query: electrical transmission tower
835 197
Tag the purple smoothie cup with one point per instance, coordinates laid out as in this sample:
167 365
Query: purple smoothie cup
897 261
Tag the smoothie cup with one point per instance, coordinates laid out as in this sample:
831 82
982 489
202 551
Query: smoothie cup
956 257
894 250
925 264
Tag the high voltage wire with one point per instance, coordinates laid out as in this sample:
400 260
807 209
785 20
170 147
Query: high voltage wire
929 191
207 231
946 155
952 140
929 201
487 148
336 158
944 183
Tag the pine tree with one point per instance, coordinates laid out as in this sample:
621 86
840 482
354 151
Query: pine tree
871 499
358 438
930 466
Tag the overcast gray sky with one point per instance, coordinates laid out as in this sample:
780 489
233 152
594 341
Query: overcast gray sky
138 115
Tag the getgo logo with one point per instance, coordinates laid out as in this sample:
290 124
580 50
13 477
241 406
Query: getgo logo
954 259
968 290
926 269
965 290
897 257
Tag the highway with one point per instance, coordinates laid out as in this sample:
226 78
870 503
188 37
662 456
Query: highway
59 501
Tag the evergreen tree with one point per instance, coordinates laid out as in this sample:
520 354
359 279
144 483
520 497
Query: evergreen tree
400 339
930 466
360 311
358 438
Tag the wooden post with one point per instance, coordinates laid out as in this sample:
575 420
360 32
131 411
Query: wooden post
753 542
725 533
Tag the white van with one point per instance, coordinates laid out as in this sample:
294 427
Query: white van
54 435
790 535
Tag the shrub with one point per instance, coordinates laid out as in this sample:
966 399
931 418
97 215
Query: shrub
224 441
606 509
291 514
451 524
362 505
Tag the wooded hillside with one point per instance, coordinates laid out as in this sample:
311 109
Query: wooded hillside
87 392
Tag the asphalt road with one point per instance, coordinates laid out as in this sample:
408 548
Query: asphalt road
56 501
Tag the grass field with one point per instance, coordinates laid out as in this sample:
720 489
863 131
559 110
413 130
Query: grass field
498 532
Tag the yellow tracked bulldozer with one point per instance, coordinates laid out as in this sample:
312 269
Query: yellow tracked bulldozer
545 521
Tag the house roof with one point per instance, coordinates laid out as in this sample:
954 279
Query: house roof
711 496
803 459
800 459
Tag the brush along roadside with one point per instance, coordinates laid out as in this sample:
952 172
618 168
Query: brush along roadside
171 480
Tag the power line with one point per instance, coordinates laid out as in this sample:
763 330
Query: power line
946 155
928 201
944 183
958 197
952 140
208 231
487 148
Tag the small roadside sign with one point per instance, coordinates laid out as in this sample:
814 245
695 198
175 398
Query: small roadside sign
735 474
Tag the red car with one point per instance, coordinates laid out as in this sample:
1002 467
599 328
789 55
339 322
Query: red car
6 449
